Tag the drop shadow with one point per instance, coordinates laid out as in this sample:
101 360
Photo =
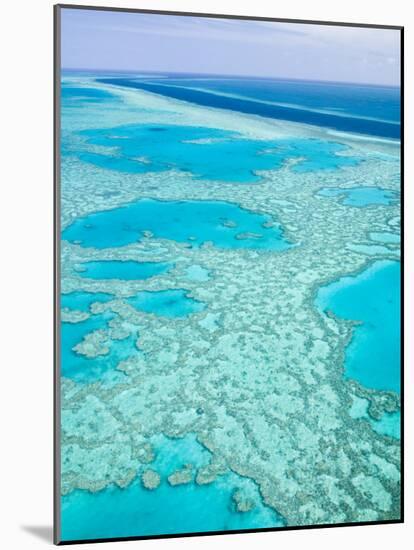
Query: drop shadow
42 532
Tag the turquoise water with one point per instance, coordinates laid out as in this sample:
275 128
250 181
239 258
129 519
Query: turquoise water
73 95
198 273
360 196
369 249
167 303
372 297
207 153
81 301
81 368
385 237
126 270
84 369
226 157
135 510
388 424
193 222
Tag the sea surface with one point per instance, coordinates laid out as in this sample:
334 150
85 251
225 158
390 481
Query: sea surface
168 147
167 303
226 225
186 508
372 298
361 196
125 270
372 110
161 215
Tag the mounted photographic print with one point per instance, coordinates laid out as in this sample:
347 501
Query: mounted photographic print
228 274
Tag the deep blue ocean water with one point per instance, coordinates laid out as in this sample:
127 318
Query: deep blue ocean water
137 511
206 153
356 108
347 99
192 222
373 298
125 270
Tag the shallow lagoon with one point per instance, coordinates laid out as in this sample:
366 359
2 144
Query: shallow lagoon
75 95
172 303
116 512
82 301
167 303
198 273
389 424
360 196
208 153
385 237
79 367
84 369
124 270
372 297
225 224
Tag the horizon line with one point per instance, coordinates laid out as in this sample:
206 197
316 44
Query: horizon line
267 77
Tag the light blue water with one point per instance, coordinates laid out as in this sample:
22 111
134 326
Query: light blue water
385 237
78 367
370 249
198 273
361 196
75 95
218 155
136 511
167 303
125 270
224 156
193 222
388 424
81 301
373 297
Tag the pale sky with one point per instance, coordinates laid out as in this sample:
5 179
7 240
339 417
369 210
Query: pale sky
94 39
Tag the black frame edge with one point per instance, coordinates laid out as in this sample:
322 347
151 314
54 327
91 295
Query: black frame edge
402 307
56 275
233 532
227 16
